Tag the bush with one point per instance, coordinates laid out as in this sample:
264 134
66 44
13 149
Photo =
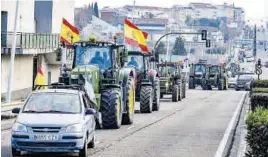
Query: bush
259 84
257 136
259 99
259 90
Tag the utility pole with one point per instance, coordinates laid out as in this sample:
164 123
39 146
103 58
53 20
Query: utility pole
255 42
13 50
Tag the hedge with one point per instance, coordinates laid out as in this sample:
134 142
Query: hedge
259 99
259 84
257 135
259 90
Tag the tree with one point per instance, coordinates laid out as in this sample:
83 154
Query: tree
179 48
151 15
160 49
96 10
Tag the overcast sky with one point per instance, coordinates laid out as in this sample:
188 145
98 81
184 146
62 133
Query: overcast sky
254 8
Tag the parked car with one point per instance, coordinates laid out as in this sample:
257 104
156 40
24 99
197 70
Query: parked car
243 82
54 120
232 81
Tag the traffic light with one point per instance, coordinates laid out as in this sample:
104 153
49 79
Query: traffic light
58 54
204 35
259 62
207 43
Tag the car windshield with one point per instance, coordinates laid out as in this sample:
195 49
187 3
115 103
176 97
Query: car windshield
199 68
245 77
135 61
214 69
100 56
53 103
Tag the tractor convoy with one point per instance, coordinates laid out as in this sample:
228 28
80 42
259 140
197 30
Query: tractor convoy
115 79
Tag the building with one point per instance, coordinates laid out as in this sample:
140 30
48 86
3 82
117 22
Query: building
39 25
181 13
204 10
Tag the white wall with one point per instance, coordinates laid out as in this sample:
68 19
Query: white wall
206 13
23 72
62 9
25 15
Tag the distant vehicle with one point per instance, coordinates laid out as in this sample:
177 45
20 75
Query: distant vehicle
266 64
243 82
232 81
249 58
54 120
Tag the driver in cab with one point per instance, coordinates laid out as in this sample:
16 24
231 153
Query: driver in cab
97 59
133 62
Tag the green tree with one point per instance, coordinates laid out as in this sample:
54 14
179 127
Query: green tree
179 48
96 9
151 15
160 49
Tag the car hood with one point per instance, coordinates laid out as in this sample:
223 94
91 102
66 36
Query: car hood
45 119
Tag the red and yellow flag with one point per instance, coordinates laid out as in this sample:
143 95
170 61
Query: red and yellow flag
40 79
69 34
135 37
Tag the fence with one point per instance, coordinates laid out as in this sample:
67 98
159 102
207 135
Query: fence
30 40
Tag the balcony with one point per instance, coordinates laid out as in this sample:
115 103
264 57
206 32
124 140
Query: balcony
29 43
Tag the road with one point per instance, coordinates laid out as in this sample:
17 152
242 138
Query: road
191 128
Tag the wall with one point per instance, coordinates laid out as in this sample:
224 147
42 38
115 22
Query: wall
22 78
25 15
58 13
43 16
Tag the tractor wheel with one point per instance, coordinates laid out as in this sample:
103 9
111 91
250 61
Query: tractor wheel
209 87
175 93
130 106
111 109
161 96
180 92
156 104
220 84
204 86
191 83
146 99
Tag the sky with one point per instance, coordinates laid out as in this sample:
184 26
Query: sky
255 9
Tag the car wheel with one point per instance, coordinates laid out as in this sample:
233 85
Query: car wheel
15 152
92 143
83 152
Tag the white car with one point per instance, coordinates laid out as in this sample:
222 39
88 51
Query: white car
250 59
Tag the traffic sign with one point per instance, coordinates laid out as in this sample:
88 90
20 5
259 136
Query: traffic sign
258 71
207 43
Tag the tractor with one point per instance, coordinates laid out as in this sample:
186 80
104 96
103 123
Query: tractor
102 65
216 76
171 80
147 81
197 73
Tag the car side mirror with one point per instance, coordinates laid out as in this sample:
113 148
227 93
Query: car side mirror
16 110
91 111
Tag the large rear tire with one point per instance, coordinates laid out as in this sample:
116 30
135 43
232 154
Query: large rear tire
220 84
191 83
130 106
156 104
111 109
180 92
175 93
146 99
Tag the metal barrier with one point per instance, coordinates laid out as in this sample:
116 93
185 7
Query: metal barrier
30 40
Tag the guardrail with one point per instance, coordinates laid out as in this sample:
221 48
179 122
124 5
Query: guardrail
30 40
10 106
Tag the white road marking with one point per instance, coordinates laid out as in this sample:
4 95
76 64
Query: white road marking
224 140
131 127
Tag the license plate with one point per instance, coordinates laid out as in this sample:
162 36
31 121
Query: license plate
46 137
240 86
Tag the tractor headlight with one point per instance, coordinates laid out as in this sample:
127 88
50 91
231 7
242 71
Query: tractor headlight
166 84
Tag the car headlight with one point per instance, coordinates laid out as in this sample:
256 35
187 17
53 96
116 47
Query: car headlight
166 84
18 127
76 128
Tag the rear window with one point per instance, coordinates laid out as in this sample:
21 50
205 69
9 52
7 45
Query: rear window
53 103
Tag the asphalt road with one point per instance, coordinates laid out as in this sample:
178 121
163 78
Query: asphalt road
194 127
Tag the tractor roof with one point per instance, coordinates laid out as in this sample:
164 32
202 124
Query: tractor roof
169 64
139 53
97 43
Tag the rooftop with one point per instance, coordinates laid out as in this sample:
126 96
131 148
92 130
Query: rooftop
203 5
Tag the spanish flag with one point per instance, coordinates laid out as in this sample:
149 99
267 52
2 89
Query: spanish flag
69 34
135 37
39 80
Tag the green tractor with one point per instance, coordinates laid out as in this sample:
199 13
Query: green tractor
102 65
216 76
197 73
147 81
172 81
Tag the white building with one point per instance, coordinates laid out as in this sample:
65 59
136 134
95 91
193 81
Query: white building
204 10
33 50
